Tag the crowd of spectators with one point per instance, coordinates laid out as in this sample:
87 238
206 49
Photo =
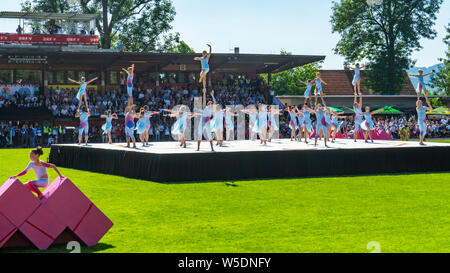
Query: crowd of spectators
21 100
53 29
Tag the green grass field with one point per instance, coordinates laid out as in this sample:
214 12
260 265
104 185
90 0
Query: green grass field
440 141
404 213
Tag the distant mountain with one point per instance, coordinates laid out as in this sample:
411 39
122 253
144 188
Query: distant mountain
427 79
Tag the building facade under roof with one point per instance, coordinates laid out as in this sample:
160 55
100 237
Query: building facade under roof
53 65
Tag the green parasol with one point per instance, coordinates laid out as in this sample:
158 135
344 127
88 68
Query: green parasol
348 108
388 110
439 111
334 109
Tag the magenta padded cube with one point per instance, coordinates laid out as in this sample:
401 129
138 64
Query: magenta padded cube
93 226
42 228
7 229
66 202
64 214
17 202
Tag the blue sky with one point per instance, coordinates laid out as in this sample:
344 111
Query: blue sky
268 26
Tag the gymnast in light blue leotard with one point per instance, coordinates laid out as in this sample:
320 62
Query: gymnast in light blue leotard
82 90
318 90
262 123
357 77
307 123
422 119
252 123
307 94
204 60
273 121
293 124
421 87
321 124
368 123
107 127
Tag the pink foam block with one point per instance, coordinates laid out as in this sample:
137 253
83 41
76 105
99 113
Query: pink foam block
93 226
25 220
7 229
42 228
17 202
66 201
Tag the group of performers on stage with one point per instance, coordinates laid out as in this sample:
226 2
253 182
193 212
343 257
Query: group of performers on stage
262 121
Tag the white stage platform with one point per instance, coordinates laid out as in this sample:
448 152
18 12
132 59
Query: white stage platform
255 146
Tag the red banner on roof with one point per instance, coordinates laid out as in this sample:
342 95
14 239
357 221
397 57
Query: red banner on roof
44 39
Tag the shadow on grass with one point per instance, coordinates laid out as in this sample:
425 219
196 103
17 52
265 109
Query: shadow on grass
57 249
229 182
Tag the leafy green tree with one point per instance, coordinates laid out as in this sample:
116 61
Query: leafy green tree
173 44
386 34
441 79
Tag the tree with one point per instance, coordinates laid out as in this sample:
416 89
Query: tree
286 82
386 34
441 79
180 46
142 25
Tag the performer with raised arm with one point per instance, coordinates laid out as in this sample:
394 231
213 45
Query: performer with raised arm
81 95
229 123
328 121
148 114
261 127
84 124
309 84
300 123
130 77
130 114
204 60
321 125
204 128
335 126
421 85
307 123
217 121
318 90
422 118
40 169
107 127
357 77
141 126
252 121
273 124
357 106
293 124
368 125
179 127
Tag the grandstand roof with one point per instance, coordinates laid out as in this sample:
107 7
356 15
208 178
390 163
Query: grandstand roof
161 62
47 16
340 83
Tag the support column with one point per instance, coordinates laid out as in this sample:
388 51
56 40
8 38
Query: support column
44 80
157 81
102 80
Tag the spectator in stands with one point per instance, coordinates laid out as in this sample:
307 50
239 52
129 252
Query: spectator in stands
121 46
19 29
73 32
37 30
83 31
92 32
